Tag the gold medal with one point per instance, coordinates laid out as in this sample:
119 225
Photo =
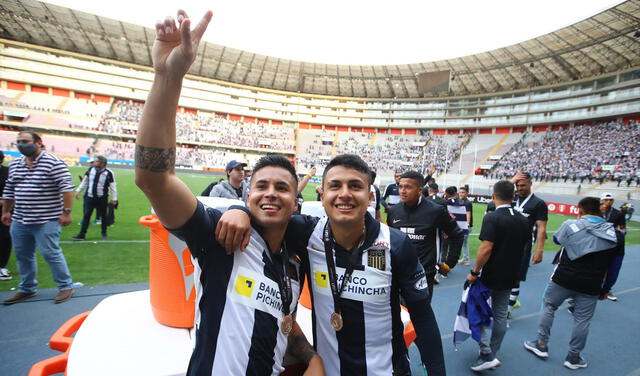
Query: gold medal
336 321
286 325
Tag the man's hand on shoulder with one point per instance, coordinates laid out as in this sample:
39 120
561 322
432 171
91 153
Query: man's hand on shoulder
233 230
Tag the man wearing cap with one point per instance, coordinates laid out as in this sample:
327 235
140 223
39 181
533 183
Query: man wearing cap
234 187
615 216
99 182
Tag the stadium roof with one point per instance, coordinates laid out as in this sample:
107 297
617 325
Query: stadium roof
603 43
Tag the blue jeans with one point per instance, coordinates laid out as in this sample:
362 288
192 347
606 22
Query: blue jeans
46 237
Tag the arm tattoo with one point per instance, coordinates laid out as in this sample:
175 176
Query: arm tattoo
155 159
299 347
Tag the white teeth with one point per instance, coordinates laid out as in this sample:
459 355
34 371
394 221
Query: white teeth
269 207
345 206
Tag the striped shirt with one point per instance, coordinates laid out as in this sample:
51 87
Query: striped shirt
371 339
458 211
37 191
238 304
99 183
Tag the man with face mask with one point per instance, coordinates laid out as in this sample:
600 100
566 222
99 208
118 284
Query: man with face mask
40 192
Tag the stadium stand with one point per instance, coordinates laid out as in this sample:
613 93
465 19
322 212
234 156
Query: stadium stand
601 151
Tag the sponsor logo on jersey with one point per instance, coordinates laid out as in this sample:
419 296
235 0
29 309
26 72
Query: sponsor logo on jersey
259 292
244 285
376 258
370 285
321 279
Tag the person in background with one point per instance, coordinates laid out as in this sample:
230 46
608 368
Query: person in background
588 246
37 201
463 194
234 187
375 203
391 194
100 183
301 185
536 211
422 220
433 190
5 236
207 190
616 217
503 236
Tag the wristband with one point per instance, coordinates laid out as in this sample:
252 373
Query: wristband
66 210
475 274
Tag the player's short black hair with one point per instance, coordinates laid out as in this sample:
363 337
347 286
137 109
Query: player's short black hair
433 187
415 175
504 190
465 187
451 191
277 160
349 161
590 205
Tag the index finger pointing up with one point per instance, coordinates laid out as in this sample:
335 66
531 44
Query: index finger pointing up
200 28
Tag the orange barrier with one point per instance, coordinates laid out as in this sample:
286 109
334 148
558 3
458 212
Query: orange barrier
61 340
171 286
305 296
409 334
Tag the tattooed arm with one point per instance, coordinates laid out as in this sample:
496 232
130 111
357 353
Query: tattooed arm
173 53
300 348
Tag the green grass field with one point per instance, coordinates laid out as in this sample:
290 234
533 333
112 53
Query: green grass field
125 257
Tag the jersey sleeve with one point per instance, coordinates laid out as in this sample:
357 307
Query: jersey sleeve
408 273
199 231
488 230
298 232
542 212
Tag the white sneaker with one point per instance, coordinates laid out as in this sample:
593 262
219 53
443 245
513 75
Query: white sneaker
5 275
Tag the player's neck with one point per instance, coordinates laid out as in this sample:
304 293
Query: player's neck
274 236
348 236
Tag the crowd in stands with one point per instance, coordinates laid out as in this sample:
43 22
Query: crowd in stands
600 152
206 129
389 153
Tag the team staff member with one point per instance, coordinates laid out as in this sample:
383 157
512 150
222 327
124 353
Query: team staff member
616 217
391 194
503 236
100 183
463 194
536 211
358 268
422 220
432 195
240 327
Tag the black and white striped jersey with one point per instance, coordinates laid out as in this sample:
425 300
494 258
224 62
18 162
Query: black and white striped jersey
238 303
99 183
37 191
371 340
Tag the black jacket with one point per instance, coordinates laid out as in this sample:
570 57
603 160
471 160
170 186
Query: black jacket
421 224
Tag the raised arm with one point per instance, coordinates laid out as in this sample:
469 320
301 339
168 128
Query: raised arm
173 52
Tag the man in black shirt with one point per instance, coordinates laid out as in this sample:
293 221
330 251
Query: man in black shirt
535 210
588 245
432 189
504 234
422 220
616 217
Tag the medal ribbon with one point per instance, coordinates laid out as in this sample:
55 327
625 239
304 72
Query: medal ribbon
283 281
331 267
